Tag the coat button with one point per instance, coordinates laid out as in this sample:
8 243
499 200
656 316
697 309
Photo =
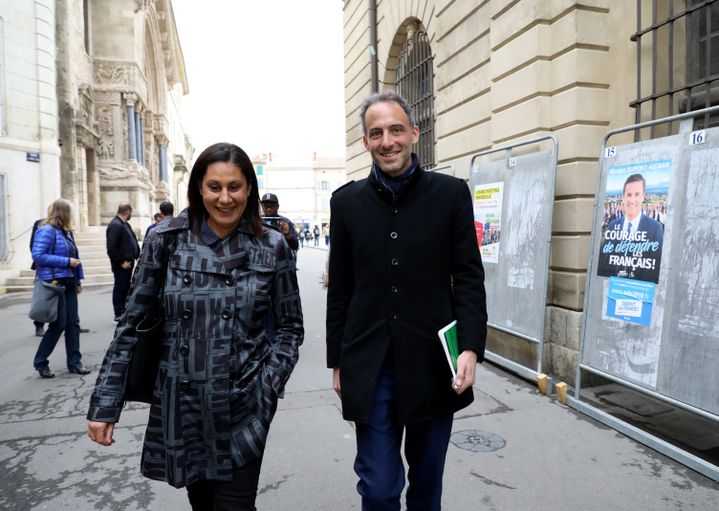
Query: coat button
185 385
186 314
395 210
393 316
187 280
229 281
393 235
395 262
394 289
226 314
184 350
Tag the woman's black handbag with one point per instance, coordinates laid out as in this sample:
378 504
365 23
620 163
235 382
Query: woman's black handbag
145 361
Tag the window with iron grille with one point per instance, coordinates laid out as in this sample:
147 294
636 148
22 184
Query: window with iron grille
415 83
677 44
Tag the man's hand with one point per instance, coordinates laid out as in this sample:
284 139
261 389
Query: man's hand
336 381
74 262
79 289
125 265
101 432
284 228
466 368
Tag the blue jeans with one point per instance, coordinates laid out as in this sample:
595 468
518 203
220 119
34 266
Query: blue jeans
67 321
379 462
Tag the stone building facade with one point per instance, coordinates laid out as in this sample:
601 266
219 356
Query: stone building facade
502 71
121 79
29 150
90 110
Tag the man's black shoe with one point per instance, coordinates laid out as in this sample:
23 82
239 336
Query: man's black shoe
39 331
80 370
84 330
45 372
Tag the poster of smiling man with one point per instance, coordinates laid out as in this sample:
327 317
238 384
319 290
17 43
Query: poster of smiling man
634 218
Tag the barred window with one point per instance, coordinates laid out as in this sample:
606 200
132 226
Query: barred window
677 61
414 82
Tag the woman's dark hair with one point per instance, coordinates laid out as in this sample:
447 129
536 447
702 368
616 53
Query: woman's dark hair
228 153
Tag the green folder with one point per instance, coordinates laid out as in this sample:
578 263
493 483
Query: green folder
448 338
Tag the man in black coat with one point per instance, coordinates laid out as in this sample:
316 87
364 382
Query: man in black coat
404 263
123 250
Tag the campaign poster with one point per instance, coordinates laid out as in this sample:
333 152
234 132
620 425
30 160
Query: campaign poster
487 219
635 213
630 300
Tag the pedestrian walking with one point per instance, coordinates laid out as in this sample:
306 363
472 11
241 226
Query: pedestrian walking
326 234
316 233
394 282
39 325
123 250
57 260
220 375
301 236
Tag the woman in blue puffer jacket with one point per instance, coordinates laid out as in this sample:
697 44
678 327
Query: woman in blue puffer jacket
56 259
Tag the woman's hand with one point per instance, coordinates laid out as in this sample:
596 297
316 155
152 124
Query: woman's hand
101 432
74 262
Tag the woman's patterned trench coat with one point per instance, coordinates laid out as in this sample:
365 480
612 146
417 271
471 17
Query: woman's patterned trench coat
220 373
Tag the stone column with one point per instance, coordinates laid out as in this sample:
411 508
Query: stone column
138 137
163 162
131 128
142 139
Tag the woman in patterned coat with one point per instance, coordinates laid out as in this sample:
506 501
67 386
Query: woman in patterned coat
220 373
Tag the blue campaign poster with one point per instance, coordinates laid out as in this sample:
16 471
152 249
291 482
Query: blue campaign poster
630 300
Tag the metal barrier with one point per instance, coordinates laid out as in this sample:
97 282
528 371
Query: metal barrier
443 167
513 202
651 306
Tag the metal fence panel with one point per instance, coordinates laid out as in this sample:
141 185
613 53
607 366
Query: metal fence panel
675 352
521 191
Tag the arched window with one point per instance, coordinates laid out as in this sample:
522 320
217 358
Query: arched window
414 82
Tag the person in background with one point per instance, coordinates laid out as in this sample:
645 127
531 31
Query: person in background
156 217
394 282
56 259
220 375
40 327
301 235
326 234
123 250
316 233
270 207
167 211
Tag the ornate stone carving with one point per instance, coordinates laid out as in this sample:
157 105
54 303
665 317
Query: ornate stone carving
113 74
130 98
142 4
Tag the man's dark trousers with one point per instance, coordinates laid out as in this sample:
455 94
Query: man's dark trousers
379 462
121 288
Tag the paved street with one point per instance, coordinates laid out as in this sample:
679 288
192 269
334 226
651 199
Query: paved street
534 453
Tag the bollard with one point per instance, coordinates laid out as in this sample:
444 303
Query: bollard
562 392
542 380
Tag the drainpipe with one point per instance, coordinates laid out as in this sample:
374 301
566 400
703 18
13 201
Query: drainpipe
373 43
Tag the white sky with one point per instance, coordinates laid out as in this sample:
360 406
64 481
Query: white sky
266 75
